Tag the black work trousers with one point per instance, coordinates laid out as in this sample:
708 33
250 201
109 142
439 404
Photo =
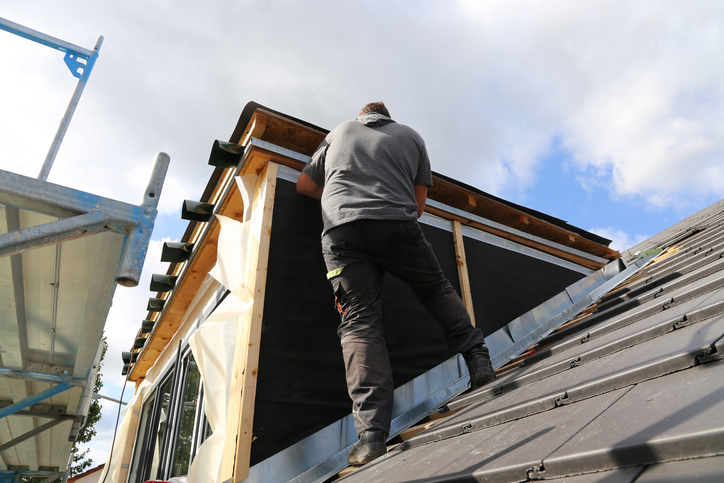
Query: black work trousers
357 254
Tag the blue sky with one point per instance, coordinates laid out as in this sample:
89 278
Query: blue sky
607 114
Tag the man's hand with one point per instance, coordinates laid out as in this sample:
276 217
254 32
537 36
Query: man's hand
420 197
307 186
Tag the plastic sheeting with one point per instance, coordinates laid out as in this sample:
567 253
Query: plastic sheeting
214 342
212 346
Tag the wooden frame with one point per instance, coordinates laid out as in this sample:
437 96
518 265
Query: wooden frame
240 412
465 292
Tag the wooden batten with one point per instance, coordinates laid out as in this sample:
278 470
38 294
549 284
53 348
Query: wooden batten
466 293
518 239
240 414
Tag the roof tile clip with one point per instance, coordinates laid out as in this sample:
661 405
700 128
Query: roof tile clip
575 362
711 353
668 304
534 473
709 251
659 292
562 401
681 323
467 428
586 338
498 391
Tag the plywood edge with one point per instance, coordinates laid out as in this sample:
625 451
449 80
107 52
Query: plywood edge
283 132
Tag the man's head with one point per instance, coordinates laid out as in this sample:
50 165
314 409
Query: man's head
378 107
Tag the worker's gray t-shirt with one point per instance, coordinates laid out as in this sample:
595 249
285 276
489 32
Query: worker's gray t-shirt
368 167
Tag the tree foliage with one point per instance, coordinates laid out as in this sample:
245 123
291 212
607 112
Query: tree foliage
81 461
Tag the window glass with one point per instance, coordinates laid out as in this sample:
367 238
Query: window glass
184 451
157 442
139 457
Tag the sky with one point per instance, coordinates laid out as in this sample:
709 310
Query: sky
606 114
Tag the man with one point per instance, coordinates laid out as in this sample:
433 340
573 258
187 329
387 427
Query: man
372 176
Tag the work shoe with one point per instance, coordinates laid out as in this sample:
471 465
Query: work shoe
371 445
479 366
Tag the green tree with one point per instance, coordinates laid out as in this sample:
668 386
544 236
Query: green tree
80 460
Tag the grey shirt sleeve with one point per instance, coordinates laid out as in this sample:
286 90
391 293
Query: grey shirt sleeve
315 168
424 172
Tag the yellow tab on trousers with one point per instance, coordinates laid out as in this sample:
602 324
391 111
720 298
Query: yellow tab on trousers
334 272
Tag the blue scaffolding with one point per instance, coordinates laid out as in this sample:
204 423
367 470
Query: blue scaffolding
62 253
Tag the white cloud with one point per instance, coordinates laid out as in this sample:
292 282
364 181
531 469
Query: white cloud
620 240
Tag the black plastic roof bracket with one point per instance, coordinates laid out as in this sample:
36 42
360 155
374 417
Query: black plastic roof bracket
681 323
536 472
562 401
668 304
715 352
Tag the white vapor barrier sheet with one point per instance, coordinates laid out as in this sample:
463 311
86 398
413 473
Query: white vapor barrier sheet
127 430
213 344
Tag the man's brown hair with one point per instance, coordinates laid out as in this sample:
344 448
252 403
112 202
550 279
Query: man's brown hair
378 107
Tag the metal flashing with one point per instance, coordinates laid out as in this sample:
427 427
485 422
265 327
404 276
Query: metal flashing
535 325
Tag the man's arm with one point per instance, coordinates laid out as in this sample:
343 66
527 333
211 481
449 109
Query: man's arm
420 197
307 186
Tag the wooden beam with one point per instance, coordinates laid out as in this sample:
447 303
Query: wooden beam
240 415
462 262
459 197
518 239
472 204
